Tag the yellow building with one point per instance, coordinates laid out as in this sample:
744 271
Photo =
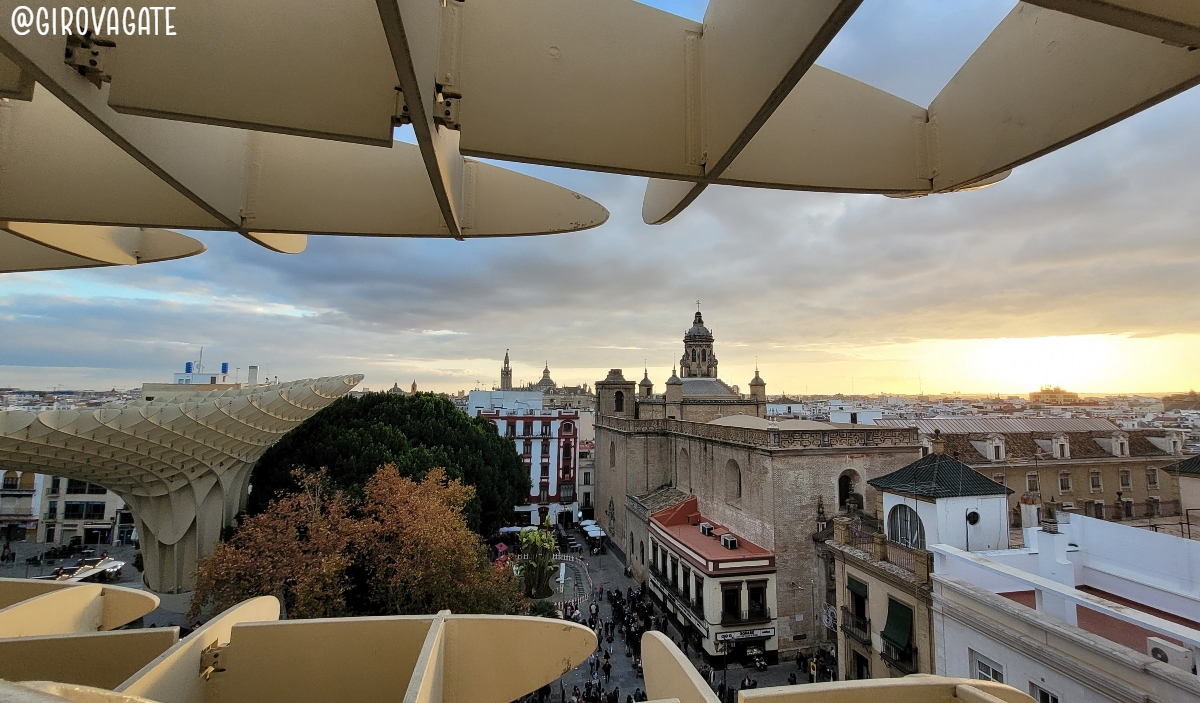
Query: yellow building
1053 396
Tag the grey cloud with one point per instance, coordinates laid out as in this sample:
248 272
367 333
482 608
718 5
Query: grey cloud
1099 237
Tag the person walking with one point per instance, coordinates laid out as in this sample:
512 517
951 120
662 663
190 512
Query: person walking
607 670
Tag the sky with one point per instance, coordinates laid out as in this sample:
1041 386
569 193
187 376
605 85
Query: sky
1079 270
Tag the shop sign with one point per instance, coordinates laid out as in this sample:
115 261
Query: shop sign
760 634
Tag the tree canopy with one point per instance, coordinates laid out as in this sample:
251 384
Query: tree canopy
404 548
354 436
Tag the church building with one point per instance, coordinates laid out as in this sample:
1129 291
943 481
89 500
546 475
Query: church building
694 393
764 481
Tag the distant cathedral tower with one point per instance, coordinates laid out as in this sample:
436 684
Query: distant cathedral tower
698 359
506 374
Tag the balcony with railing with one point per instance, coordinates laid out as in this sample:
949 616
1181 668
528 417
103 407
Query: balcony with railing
874 543
857 626
745 617
902 659
659 579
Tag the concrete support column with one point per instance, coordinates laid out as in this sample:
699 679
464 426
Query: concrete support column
182 525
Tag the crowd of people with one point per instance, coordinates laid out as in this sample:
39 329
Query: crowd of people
619 629
631 615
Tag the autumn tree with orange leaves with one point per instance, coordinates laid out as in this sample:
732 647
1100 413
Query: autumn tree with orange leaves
403 549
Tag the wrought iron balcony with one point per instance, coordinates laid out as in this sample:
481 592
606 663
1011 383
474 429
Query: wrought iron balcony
856 626
901 659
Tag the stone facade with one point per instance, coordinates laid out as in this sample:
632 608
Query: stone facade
890 572
763 484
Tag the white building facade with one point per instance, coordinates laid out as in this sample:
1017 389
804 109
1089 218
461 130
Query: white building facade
719 588
548 443
82 512
1091 611
514 401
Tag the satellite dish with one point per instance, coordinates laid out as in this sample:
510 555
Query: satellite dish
973 517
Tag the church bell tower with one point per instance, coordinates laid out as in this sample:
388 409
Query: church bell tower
506 374
698 360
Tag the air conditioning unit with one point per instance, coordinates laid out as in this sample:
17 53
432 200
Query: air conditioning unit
1170 653
706 529
729 542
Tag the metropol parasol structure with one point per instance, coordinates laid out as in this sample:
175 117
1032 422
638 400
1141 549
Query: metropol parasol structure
275 120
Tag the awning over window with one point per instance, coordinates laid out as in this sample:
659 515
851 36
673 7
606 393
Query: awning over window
898 630
856 587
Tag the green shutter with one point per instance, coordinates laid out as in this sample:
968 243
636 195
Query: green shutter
898 630
856 587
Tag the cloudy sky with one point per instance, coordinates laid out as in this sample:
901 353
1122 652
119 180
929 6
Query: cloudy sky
1078 270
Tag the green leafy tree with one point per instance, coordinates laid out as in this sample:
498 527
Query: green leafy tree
354 436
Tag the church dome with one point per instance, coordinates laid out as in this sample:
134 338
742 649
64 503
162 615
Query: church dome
646 382
674 380
546 383
698 330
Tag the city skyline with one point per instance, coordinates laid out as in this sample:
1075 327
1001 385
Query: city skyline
1083 256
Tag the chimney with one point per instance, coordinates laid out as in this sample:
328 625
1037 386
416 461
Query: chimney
939 444
252 377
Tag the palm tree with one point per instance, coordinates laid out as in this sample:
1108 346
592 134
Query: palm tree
538 546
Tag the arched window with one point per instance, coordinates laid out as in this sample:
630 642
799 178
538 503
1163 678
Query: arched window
693 353
904 526
733 481
845 487
642 551
619 402
703 355
567 428
612 453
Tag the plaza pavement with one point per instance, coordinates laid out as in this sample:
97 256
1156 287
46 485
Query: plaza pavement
608 571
